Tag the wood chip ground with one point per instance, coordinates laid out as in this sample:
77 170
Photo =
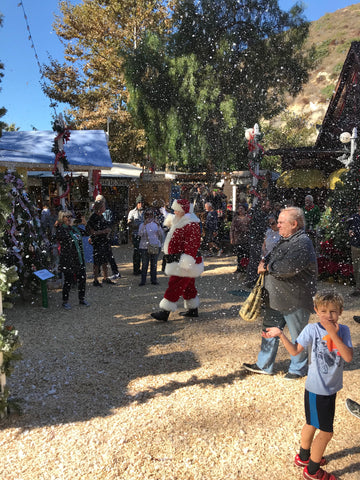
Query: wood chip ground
108 393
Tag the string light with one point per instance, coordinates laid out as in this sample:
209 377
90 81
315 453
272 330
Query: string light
30 38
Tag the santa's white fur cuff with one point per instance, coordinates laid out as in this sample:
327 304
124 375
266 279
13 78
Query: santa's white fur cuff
168 306
192 303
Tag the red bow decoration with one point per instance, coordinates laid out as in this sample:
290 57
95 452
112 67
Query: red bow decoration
96 182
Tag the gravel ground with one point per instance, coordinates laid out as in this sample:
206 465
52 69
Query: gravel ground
109 393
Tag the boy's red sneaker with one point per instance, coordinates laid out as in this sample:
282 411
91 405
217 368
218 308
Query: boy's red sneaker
319 475
304 463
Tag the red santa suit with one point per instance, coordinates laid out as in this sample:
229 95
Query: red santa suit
182 242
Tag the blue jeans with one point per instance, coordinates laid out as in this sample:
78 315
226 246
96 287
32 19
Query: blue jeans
295 322
146 258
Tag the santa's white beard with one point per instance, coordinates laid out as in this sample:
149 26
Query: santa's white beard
176 219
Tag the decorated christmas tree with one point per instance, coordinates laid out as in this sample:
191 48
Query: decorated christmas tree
342 204
24 243
9 339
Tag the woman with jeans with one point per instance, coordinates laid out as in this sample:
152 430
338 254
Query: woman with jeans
150 233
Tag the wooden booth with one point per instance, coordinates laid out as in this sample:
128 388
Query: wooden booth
86 152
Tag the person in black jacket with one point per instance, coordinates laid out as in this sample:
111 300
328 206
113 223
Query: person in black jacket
259 216
98 229
72 260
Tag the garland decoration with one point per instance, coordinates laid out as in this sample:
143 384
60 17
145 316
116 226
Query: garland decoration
63 136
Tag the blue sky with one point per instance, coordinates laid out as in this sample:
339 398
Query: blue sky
21 93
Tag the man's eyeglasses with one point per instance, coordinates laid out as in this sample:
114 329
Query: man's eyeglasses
272 223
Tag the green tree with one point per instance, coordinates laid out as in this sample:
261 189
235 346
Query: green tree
91 79
289 131
223 66
11 127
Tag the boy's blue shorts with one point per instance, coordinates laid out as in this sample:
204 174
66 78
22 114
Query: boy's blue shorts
320 411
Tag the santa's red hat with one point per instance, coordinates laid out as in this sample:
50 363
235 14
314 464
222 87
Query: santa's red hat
181 205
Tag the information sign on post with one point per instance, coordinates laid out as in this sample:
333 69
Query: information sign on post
44 275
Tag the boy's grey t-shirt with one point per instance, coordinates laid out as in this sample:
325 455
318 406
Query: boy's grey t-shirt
325 375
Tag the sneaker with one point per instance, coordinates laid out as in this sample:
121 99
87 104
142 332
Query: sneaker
66 305
254 368
319 475
107 280
292 376
96 283
353 407
141 284
84 303
304 463
115 276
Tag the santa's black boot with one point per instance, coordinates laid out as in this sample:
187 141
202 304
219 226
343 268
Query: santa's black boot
162 316
192 312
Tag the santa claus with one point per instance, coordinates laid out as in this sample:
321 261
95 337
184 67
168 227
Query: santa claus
183 264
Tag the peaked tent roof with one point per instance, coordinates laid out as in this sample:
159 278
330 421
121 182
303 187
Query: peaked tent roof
86 149
343 114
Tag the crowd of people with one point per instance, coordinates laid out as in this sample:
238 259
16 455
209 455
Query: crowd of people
274 240
249 233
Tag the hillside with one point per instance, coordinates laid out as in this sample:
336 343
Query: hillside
331 36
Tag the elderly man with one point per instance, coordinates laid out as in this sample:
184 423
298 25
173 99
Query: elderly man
183 264
290 283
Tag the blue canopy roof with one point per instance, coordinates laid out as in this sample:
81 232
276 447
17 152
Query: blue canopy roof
85 150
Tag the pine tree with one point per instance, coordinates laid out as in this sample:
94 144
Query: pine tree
224 66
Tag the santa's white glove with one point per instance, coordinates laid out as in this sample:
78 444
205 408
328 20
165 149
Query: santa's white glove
187 262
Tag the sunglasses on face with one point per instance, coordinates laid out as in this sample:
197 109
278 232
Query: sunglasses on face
272 223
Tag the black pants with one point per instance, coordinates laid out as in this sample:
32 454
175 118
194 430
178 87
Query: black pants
80 272
136 254
254 260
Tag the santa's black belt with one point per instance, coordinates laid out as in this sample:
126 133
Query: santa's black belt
172 257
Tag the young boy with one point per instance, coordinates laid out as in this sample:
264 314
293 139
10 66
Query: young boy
331 346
